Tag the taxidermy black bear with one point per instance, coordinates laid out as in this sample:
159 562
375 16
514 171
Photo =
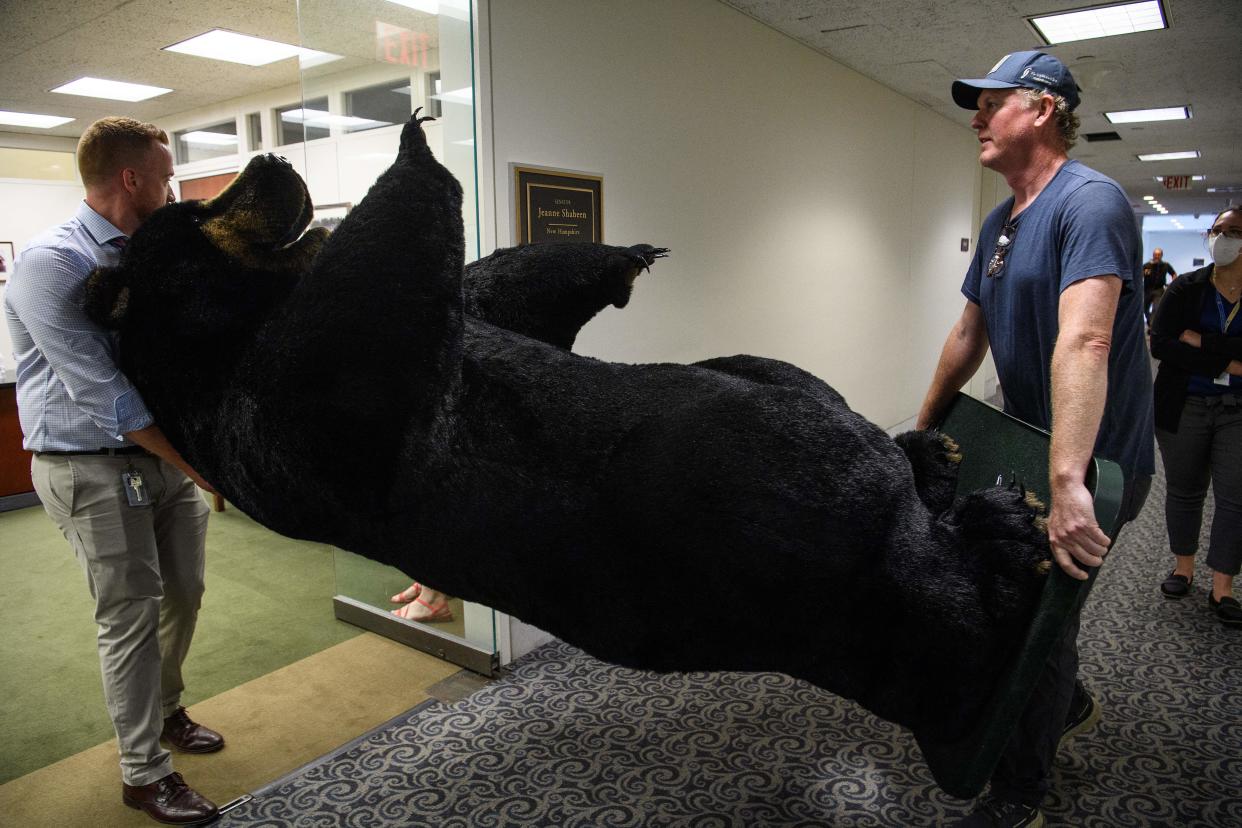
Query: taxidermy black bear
733 514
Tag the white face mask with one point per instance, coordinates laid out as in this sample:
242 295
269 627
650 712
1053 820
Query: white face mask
1224 249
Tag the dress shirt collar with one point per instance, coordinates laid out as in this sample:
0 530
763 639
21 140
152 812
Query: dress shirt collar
101 230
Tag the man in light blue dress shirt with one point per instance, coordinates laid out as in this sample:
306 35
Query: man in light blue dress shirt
124 498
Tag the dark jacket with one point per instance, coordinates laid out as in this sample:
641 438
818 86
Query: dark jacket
1180 309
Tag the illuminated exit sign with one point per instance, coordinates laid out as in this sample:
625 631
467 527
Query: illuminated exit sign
394 44
1176 182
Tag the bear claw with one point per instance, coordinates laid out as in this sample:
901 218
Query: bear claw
953 452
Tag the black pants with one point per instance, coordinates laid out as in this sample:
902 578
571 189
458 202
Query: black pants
1151 296
1206 450
1024 772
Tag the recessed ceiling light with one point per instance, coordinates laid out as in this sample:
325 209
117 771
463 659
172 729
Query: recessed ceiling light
1169 156
214 139
219 44
1134 116
28 119
1105 21
110 89
449 8
426 6
309 58
1150 198
319 118
465 95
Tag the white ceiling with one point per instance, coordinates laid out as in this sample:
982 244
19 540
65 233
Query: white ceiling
914 46
918 47
51 42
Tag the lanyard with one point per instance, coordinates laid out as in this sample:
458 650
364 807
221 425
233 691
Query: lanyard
1220 309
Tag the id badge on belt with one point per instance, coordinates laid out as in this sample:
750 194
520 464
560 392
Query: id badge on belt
135 487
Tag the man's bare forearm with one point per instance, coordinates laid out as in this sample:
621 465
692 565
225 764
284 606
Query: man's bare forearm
153 440
961 356
1079 388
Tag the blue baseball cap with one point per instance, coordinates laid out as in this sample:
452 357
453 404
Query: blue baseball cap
1033 70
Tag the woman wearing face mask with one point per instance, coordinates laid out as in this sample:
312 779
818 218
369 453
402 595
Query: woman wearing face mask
1196 333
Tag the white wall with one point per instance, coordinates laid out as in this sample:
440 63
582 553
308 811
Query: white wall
814 215
27 208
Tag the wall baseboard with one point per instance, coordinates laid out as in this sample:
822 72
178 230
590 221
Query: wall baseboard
19 501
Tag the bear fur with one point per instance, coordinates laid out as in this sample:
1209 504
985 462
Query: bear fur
366 390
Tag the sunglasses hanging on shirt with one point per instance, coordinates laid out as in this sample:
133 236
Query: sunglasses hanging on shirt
1002 250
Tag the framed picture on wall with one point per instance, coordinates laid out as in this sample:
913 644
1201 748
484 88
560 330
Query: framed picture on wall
330 215
7 254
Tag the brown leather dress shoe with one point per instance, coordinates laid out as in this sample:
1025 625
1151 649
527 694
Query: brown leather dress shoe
188 736
170 801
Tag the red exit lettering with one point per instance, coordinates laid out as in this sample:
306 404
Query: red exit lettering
394 44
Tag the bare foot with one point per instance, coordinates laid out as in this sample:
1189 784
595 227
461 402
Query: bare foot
429 608
408 594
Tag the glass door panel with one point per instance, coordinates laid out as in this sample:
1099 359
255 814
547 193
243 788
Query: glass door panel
369 65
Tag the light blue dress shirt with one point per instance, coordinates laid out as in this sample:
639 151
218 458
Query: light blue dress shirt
71 396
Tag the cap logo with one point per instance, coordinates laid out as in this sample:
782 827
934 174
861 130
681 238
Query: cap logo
1026 71
998 64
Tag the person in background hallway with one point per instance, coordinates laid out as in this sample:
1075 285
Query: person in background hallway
1055 289
122 495
1156 275
1196 334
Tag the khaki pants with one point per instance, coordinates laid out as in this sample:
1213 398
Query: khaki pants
144 567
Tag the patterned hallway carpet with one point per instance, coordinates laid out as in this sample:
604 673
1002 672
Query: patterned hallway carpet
567 741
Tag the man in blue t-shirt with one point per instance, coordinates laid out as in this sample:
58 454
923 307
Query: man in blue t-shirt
1055 290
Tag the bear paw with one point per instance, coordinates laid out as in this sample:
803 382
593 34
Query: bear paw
934 459
1004 536
625 268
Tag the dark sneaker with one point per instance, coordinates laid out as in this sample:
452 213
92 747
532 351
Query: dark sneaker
998 813
1083 714
1175 586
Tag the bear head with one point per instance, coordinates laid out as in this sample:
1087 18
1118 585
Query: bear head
198 277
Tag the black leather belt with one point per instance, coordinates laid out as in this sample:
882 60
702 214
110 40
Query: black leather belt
110 452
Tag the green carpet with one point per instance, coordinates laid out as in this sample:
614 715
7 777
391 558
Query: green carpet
268 604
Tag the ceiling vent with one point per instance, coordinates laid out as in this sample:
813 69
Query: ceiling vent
1092 137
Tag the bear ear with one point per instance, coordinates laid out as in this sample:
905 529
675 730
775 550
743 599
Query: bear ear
107 297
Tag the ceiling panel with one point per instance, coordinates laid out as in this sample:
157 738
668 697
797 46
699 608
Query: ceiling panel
50 43
913 46
917 47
